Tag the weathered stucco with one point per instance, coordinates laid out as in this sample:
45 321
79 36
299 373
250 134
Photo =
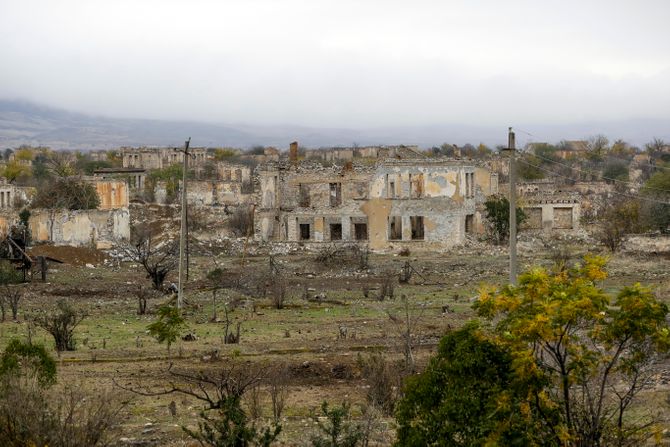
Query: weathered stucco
212 193
552 216
395 202
97 228
113 194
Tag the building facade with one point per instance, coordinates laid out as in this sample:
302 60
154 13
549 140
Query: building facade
396 202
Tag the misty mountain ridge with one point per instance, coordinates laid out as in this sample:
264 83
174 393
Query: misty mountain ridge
23 122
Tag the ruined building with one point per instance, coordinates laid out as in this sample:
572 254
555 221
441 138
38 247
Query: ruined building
160 157
396 202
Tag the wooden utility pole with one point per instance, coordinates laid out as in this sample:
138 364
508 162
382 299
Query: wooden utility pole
512 207
184 225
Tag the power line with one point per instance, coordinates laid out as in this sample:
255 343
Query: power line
643 164
594 172
630 196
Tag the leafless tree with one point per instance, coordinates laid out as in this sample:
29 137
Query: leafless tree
406 326
61 163
212 388
33 415
383 382
158 258
241 222
277 285
66 193
278 385
598 145
387 286
11 297
229 337
143 294
655 146
254 401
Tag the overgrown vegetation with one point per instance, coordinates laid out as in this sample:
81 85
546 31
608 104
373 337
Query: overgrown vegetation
61 323
470 395
66 193
169 325
157 257
591 353
241 222
34 413
497 214
338 430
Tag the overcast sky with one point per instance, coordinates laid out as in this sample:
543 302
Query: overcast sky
342 63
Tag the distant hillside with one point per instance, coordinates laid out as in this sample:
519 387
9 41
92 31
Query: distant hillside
27 123
34 124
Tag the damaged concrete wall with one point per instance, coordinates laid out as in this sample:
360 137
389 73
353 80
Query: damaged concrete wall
113 194
431 211
96 228
418 202
160 157
12 196
229 172
549 215
213 193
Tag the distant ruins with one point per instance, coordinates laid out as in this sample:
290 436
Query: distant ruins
387 197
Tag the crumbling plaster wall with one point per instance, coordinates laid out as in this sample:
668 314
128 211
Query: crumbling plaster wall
444 202
212 193
113 194
98 228
550 216
435 191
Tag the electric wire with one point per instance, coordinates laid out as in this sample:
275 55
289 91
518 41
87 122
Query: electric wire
630 196
594 172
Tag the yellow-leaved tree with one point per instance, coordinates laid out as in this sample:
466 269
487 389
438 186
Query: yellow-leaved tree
597 350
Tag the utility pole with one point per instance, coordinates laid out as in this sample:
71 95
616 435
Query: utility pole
184 225
512 207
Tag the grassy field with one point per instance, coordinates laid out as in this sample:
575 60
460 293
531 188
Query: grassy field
113 344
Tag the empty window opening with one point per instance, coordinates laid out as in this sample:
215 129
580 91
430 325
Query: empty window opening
395 228
417 227
304 232
361 231
335 232
335 194
469 223
303 195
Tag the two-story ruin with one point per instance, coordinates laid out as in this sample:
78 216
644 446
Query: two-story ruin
396 202
160 157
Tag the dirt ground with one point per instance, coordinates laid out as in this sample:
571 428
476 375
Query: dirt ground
113 347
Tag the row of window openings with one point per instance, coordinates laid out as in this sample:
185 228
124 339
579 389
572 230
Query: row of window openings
335 195
360 231
394 227
415 187
416 190
417 225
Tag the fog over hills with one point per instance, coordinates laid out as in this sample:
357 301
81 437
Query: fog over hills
24 122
